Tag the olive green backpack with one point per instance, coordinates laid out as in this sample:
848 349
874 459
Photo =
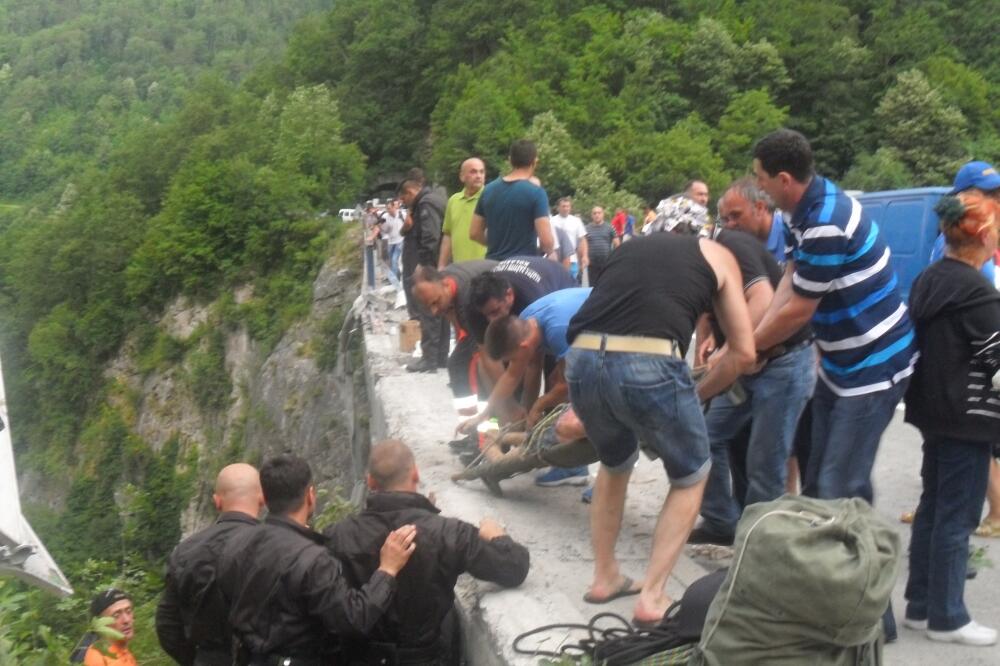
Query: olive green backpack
809 584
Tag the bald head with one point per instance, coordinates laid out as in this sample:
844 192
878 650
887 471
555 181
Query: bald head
391 466
237 488
472 174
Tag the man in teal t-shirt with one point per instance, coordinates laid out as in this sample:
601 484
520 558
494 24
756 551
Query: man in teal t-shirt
512 216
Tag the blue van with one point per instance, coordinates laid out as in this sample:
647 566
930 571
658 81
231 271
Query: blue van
908 224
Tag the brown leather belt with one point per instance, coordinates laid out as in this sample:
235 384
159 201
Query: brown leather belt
627 343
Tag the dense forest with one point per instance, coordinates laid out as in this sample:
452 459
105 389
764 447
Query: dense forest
157 148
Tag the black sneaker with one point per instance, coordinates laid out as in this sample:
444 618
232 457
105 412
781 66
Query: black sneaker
700 535
493 484
462 444
420 365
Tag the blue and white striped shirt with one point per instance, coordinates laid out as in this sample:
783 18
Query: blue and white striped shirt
862 326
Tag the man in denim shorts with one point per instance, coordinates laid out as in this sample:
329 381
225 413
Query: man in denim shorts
629 383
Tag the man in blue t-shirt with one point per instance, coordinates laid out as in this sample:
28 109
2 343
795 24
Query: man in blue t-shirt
512 215
523 342
839 276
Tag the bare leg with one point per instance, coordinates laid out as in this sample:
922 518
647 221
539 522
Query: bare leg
792 479
993 492
605 523
677 517
569 428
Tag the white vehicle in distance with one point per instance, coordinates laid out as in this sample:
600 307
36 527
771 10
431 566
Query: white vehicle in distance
349 214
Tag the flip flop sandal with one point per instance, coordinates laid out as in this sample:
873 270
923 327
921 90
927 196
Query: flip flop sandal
988 529
624 590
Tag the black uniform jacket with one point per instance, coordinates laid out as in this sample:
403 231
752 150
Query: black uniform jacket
288 595
446 548
422 241
191 617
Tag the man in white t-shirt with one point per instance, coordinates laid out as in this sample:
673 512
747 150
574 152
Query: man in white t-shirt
572 226
392 233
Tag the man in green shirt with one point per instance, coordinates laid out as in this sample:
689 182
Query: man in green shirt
456 245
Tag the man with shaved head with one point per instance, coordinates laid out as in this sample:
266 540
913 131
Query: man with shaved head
419 626
192 618
455 242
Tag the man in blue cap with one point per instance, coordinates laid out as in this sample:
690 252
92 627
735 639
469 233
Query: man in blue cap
980 176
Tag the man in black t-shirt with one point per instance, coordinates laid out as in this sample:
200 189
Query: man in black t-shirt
775 398
511 286
447 293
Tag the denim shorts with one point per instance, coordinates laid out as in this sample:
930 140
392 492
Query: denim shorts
625 398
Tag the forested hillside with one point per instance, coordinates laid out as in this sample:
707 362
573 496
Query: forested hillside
891 92
152 149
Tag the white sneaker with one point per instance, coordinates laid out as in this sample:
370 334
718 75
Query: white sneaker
916 625
970 634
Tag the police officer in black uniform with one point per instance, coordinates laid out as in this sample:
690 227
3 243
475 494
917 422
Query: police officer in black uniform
290 604
418 629
191 619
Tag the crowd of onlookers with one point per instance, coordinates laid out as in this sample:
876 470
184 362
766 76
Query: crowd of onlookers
750 351
803 347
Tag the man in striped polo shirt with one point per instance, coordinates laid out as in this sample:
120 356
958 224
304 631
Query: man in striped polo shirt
839 276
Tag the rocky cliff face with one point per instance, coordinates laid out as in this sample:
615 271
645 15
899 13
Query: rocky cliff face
293 397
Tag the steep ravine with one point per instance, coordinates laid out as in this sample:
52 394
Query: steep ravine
286 398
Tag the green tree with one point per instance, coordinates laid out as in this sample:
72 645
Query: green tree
659 164
594 187
482 122
965 88
709 66
925 131
310 142
748 116
882 170
560 157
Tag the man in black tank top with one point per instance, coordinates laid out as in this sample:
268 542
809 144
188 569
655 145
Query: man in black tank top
629 383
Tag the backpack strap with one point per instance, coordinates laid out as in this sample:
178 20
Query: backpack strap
80 651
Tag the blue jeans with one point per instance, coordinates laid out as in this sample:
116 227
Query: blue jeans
846 432
395 252
776 397
955 474
624 397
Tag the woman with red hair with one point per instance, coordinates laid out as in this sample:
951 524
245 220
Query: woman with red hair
954 400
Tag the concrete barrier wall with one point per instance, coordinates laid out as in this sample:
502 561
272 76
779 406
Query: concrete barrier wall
551 522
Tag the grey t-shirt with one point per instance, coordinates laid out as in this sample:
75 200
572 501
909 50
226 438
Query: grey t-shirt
599 239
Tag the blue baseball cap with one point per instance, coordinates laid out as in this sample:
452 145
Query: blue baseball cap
980 175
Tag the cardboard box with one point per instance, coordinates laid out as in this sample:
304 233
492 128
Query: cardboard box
409 335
